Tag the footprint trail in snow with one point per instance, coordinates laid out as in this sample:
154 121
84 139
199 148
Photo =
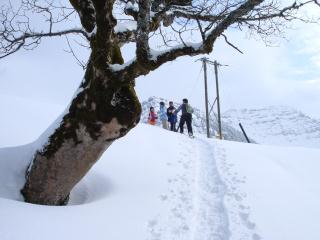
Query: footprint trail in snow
193 207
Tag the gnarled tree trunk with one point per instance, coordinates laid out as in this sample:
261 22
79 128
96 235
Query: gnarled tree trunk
103 111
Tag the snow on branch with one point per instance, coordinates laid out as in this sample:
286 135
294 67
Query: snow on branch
169 20
125 27
233 13
153 59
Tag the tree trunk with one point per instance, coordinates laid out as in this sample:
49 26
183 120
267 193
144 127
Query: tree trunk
102 112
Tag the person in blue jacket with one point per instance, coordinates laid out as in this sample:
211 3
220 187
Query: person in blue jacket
162 114
186 116
172 118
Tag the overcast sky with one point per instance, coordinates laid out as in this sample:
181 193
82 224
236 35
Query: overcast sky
288 74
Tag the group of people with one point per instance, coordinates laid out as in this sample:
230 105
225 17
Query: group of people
169 115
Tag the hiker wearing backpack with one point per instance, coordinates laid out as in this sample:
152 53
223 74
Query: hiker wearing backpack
163 116
152 118
186 116
172 118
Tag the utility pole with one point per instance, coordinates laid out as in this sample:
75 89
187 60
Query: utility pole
218 97
216 64
204 62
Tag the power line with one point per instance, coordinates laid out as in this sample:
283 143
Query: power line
195 84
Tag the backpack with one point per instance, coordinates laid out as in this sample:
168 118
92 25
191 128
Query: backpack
189 109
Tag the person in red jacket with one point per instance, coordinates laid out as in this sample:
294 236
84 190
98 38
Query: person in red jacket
152 118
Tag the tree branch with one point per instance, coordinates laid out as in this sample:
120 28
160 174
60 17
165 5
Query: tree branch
80 63
16 31
229 43
206 46
143 28
228 21
86 13
281 13
11 44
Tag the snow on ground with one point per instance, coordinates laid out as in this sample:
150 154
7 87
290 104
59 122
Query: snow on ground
22 120
277 125
158 185
275 190
148 191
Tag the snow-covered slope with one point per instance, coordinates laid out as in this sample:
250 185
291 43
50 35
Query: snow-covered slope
275 188
198 121
18 113
168 186
277 125
155 184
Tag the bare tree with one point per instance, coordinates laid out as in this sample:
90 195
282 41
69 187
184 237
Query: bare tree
106 107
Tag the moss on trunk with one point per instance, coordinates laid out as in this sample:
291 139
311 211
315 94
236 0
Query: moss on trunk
103 111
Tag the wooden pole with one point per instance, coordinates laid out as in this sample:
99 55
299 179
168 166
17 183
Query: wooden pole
218 98
244 133
204 61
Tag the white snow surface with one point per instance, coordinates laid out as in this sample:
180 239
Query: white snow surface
23 120
125 26
156 53
157 185
118 67
277 125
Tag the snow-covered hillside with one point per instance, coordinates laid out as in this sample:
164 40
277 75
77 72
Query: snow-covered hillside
277 125
168 186
18 116
155 184
198 120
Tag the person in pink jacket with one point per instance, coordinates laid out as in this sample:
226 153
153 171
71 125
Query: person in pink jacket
152 118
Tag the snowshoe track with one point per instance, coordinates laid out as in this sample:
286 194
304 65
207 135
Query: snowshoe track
194 208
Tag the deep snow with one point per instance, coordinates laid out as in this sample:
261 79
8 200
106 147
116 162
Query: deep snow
275 190
277 125
148 191
155 184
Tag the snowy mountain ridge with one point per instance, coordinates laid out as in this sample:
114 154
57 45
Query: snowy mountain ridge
274 125
277 125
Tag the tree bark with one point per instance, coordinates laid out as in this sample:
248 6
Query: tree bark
103 111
